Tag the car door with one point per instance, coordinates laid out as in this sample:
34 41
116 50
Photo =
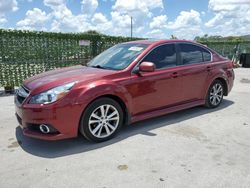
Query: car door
158 89
194 71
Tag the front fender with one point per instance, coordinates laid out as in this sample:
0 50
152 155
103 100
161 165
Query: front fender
92 91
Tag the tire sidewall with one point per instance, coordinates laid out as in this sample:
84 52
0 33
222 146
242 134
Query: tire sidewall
84 127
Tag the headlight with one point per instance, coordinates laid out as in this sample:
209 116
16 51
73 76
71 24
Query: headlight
52 95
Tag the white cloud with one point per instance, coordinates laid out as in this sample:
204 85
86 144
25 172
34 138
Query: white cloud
101 23
34 19
120 23
55 26
140 10
67 22
188 33
2 21
62 18
187 25
61 12
72 23
53 3
89 6
135 5
231 17
59 8
156 34
99 18
8 6
227 5
186 19
158 22
121 20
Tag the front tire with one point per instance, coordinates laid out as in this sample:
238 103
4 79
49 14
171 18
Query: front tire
215 94
101 120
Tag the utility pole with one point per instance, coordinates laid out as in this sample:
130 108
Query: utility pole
131 27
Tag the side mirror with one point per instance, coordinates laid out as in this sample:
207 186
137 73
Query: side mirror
147 67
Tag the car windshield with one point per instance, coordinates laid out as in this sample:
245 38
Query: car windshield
117 57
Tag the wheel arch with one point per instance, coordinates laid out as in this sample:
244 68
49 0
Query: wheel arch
224 82
225 86
126 119
116 98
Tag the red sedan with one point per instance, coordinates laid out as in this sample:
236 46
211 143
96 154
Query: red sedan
127 83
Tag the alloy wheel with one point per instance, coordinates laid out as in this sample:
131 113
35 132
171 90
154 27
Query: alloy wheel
103 121
216 94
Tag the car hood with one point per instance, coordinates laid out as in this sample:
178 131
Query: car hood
54 78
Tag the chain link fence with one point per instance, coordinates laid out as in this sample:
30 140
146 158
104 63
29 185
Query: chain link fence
231 50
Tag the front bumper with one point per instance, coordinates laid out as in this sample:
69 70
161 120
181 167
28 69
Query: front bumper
62 117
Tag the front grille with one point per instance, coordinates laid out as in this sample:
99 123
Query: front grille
21 94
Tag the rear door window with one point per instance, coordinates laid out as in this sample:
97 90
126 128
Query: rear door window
192 54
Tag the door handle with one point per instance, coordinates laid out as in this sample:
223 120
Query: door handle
209 68
175 75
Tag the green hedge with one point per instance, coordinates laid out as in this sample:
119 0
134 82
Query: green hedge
26 53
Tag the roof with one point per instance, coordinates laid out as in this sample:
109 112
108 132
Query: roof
153 41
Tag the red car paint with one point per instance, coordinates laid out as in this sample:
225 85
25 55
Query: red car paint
144 96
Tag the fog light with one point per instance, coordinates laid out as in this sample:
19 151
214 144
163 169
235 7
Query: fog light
44 128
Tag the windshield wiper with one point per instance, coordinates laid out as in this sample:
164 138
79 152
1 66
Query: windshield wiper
101 67
98 66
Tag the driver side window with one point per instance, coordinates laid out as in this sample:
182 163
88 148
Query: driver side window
163 56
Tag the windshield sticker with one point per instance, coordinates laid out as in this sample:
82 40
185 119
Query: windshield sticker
135 48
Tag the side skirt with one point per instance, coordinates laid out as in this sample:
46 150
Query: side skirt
166 110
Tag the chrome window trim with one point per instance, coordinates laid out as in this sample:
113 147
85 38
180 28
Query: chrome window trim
195 44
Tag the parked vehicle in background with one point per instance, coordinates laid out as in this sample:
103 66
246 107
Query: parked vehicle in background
127 83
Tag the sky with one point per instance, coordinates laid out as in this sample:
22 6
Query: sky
184 19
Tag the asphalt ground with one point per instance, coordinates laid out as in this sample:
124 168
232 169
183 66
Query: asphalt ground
198 147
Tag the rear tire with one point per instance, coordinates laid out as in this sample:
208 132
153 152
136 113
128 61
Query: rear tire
215 94
101 120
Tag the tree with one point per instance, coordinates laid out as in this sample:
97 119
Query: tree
173 37
92 32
